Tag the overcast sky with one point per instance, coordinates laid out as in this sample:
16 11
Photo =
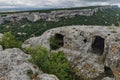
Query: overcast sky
54 3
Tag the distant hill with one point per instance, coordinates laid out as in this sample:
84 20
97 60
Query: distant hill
17 10
25 29
14 10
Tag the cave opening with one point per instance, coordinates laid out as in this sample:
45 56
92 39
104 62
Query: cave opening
85 40
98 45
56 41
108 71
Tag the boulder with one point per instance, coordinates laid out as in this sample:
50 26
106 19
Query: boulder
93 51
107 78
1 48
14 65
112 59
48 77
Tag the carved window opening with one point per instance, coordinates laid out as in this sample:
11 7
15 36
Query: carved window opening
98 45
56 41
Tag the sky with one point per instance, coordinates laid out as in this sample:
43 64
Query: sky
54 3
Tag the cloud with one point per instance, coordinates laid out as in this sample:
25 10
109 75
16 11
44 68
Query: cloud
54 3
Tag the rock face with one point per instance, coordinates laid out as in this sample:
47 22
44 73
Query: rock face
14 65
1 36
93 51
1 48
54 15
47 77
107 78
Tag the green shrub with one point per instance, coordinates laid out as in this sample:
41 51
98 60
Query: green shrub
52 63
9 41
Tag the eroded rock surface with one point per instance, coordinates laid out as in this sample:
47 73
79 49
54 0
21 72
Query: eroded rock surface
1 48
1 36
47 77
14 65
93 51
107 78
53 15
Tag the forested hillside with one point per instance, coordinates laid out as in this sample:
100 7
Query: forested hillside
25 29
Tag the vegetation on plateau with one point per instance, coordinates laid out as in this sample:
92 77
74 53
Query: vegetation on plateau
25 29
9 41
51 62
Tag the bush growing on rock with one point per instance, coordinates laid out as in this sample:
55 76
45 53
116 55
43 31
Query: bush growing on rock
9 41
52 63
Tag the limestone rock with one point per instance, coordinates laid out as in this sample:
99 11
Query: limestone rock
1 36
48 77
1 48
93 51
113 58
1 21
14 65
107 78
54 15
33 17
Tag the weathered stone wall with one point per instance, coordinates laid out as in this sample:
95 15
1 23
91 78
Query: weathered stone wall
92 50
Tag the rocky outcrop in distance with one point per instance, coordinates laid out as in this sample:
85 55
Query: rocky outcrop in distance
93 51
54 15
14 65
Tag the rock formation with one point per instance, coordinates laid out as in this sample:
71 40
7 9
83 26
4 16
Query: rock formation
93 51
1 48
1 36
54 15
14 65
